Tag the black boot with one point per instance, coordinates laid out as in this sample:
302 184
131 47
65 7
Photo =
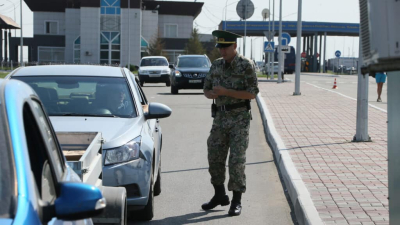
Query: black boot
220 198
236 205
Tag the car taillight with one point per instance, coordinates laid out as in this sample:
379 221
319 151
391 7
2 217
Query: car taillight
292 64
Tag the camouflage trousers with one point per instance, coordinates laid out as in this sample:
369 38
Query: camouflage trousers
229 132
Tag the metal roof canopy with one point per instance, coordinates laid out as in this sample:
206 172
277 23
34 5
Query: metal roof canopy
7 23
256 28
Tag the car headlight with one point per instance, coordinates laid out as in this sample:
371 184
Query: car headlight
165 71
125 153
143 71
177 73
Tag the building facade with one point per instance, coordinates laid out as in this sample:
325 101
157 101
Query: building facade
103 31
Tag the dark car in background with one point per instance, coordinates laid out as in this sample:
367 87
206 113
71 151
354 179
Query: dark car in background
189 73
290 60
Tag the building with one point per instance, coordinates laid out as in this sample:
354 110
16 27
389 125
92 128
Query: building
104 31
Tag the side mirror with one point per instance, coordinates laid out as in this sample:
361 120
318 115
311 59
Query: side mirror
157 111
78 201
171 66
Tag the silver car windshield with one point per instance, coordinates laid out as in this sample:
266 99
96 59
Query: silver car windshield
193 62
154 62
83 96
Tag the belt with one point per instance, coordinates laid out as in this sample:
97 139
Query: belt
231 106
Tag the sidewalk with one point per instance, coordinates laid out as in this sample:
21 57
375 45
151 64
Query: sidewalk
347 182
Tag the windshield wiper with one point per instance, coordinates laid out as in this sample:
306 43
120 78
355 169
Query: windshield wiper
91 115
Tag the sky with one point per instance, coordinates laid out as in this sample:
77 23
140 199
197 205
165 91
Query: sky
346 11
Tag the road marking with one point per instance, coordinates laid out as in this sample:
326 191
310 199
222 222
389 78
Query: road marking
376 107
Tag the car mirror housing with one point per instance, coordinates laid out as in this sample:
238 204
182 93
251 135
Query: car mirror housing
78 201
157 111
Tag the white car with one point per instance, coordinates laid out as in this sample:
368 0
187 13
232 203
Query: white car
83 98
154 69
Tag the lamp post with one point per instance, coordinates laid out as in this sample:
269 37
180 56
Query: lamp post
22 39
280 43
226 9
298 47
129 35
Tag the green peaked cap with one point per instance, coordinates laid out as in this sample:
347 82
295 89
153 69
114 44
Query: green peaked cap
225 38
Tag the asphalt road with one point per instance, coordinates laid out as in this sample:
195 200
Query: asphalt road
347 85
185 178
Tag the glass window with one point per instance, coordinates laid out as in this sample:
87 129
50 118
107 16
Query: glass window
104 54
171 30
154 62
48 137
43 163
193 62
51 54
85 96
51 27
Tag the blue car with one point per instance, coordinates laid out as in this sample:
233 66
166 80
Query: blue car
37 186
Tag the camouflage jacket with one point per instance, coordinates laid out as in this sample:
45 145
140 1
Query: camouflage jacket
239 75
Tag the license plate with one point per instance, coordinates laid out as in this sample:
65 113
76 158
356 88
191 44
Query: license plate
154 75
194 81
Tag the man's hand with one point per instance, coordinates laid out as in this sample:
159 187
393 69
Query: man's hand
210 94
219 90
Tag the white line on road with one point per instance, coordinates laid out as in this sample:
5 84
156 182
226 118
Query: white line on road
346 96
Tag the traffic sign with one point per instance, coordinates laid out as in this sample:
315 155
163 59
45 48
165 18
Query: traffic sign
269 34
303 54
269 46
338 53
287 36
284 42
285 49
245 9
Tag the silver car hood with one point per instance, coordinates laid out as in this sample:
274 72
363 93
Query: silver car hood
115 131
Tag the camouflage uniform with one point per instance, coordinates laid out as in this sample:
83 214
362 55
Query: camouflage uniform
230 130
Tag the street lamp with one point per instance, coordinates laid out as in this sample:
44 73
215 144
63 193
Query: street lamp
22 39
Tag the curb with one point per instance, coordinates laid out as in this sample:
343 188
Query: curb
306 213
320 75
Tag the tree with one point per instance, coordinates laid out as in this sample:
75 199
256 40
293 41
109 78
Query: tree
194 45
214 54
156 46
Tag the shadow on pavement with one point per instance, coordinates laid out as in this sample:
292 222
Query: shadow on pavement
206 168
184 219
181 94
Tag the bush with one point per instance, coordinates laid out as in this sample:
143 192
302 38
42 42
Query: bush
132 67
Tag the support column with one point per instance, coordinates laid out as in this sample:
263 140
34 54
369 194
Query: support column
325 66
311 45
5 45
320 53
1 45
393 143
304 44
362 103
315 52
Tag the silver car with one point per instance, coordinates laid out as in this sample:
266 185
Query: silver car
107 100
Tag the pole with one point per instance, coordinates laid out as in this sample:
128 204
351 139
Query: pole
22 39
325 52
245 29
273 37
298 48
280 43
226 9
320 53
362 103
270 69
393 143
129 35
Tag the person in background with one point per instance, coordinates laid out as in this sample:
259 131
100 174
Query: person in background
380 80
